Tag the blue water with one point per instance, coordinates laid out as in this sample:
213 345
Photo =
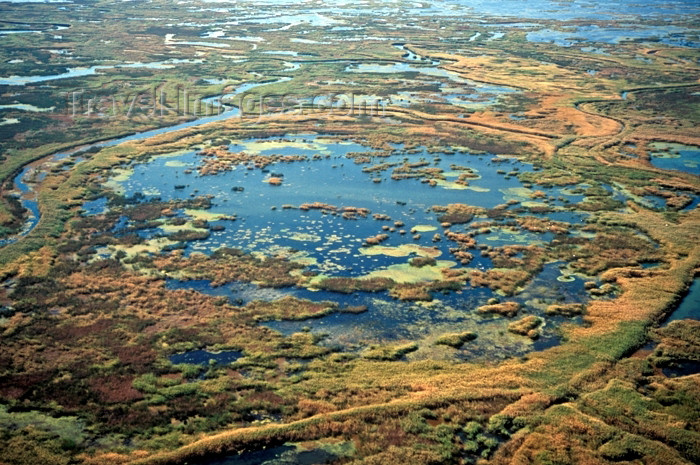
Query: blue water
95 207
682 368
230 112
19 180
203 357
389 320
694 203
655 201
30 223
332 241
689 308
687 160
386 319
87 71
29 204
572 217
667 34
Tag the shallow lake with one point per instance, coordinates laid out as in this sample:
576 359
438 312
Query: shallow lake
675 157
333 246
329 243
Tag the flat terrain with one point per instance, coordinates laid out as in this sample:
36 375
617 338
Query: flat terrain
373 233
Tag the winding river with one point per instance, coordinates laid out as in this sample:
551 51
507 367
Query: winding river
23 185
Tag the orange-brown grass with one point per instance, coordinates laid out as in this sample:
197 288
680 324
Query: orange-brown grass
508 309
526 326
349 285
289 308
218 159
349 397
457 213
565 309
504 280
228 265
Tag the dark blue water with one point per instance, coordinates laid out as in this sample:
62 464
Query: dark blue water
204 357
388 320
19 180
95 207
689 308
281 455
682 368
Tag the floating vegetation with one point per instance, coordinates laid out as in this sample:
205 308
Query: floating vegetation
672 156
526 326
456 340
507 309
406 273
403 250
565 309
389 352
304 237
421 228
318 241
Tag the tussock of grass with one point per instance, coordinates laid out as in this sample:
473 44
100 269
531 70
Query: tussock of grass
456 340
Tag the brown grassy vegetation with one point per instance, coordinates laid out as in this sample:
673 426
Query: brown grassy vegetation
90 338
